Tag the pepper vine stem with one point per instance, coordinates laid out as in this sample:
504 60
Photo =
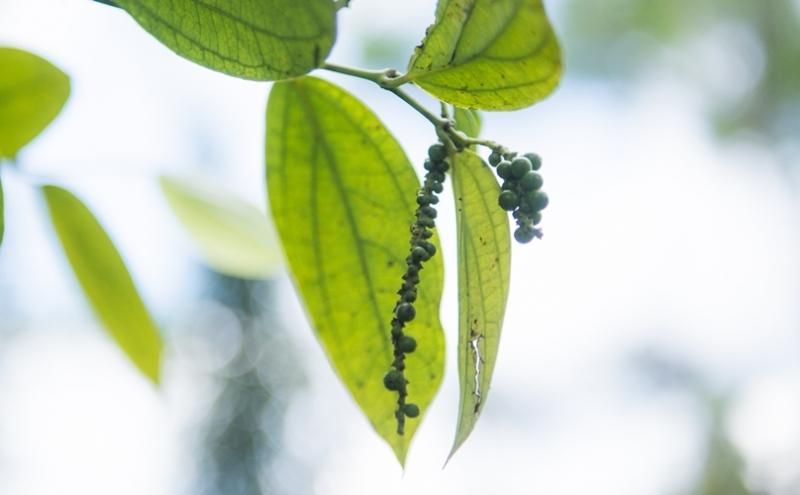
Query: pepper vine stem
391 80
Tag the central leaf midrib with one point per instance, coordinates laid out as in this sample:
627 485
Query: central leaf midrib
354 231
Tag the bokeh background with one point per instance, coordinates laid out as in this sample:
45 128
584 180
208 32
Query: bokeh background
652 344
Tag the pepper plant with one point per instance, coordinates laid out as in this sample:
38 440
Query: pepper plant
357 227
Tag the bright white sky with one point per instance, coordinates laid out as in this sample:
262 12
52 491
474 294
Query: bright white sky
657 237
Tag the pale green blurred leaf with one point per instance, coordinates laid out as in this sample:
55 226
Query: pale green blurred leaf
234 237
252 39
484 260
32 93
488 54
468 121
342 194
105 280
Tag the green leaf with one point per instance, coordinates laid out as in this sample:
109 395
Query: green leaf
253 39
488 54
468 121
105 280
234 237
342 193
484 260
32 93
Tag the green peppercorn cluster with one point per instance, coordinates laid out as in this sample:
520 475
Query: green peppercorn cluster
521 191
421 250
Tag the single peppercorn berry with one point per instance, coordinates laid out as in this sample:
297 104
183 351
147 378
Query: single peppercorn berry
531 181
436 176
419 253
536 160
524 234
538 200
437 152
429 247
508 200
495 158
437 187
411 410
520 166
407 344
405 311
504 170
394 380
428 211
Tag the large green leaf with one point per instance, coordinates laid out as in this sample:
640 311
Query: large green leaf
234 237
105 280
253 39
484 260
32 93
342 194
488 54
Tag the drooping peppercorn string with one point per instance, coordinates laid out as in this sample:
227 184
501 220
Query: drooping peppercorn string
421 250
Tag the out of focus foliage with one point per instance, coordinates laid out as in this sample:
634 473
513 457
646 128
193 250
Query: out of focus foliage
743 54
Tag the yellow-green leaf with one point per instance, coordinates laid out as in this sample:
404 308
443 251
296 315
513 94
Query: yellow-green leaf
488 54
32 93
105 280
252 39
484 260
342 193
233 236
468 121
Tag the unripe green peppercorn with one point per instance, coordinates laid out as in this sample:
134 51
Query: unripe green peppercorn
407 344
536 160
509 185
437 187
495 158
426 234
410 296
531 181
508 200
437 176
429 247
428 211
405 312
420 253
394 380
426 222
411 410
520 166
524 234
423 199
538 200
437 152
536 218
504 170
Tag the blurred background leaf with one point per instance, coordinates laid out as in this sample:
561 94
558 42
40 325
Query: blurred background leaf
234 237
105 280
32 93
